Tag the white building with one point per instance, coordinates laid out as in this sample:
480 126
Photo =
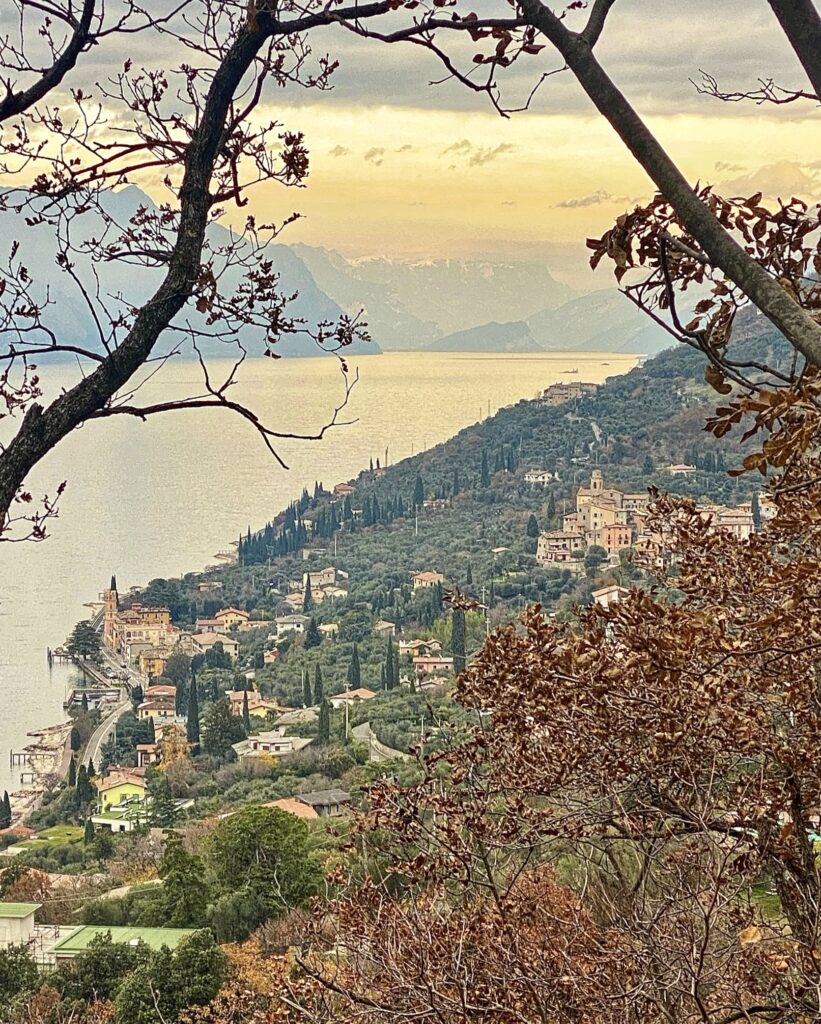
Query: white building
17 923
291 624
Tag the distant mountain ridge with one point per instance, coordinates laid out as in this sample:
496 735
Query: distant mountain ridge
125 285
438 305
492 337
473 305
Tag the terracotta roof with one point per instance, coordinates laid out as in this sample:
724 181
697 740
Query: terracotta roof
209 639
119 779
360 693
295 807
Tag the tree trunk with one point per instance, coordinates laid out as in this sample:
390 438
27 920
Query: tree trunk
794 322
802 26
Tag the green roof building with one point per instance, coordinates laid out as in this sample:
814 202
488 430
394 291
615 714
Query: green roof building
78 942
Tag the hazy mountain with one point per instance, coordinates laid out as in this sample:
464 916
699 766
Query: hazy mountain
492 337
600 322
410 304
389 323
130 285
603 321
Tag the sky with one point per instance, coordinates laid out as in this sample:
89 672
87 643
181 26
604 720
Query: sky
405 169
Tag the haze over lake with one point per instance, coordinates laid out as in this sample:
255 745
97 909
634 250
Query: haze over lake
164 497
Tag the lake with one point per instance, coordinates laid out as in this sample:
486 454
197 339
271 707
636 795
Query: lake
163 497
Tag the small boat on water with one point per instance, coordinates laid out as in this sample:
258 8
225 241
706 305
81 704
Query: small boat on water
574 370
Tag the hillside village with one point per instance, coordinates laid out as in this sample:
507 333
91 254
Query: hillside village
325 656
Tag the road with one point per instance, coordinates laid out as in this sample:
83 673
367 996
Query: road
93 751
377 751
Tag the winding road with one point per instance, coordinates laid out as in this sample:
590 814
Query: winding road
94 747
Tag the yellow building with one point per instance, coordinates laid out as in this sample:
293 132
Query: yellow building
151 662
230 617
148 626
120 788
156 709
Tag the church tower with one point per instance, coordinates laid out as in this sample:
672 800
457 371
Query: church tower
111 605
596 481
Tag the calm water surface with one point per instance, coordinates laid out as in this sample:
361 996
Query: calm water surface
163 497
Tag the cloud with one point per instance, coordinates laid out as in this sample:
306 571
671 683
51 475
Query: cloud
723 165
477 156
375 155
594 199
407 148
463 146
508 202
780 180
339 151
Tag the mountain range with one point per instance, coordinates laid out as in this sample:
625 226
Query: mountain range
438 305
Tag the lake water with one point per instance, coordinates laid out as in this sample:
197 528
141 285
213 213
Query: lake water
164 497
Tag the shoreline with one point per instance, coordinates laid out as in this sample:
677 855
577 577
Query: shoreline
26 797
50 755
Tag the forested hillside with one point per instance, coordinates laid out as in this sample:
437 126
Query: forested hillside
465 509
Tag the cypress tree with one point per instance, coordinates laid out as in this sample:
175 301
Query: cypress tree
192 724
383 682
181 698
5 815
755 508
88 832
418 492
469 575
354 670
85 793
485 473
391 666
457 639
152 733
246 714
72 773
75 742
308 599
307 695
92 771
84 704
313 638
532 526
551 507
324 727
319 689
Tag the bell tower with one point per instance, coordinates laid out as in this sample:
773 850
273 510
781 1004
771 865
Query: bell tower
596 481
111 605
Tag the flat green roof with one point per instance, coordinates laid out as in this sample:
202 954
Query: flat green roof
18 909
153 937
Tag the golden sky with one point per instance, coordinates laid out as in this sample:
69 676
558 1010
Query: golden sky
402 181
402 168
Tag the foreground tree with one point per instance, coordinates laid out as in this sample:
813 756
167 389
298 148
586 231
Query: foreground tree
208 147
684 232
627 832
